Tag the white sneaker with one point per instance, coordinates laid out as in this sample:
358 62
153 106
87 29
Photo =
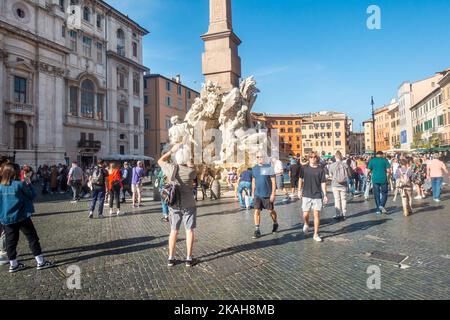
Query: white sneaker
91 215
383 210
306 229
418 198
437 200
318 239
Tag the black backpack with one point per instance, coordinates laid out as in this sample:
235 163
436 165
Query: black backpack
170 192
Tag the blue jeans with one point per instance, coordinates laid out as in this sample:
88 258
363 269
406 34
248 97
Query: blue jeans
362 183
351 186
244 185
165 209
98 194
436 184
380 192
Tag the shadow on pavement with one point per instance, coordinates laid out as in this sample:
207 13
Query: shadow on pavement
358 226
286 238
120 246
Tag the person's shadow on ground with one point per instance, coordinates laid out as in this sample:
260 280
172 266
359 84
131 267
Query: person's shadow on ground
115 247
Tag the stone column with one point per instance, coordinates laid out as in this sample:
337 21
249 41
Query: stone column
221 62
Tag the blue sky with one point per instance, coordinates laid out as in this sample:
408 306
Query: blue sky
306 55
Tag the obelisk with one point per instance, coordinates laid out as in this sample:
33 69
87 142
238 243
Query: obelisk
221 61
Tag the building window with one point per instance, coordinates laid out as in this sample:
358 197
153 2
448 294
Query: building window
99 21
168 102
122 115
146 124
20 89
121 83
120 43
337 125
189 94
145 83
63 31
179 90
87 99
136 84
338 143
87 46
145 100
168 123
86 14
100 98
136 142
282 123
136 116
99 52
180 104
20 135
20 13
122 150
73 101
135 49
289 123
62 4
73 40
168 85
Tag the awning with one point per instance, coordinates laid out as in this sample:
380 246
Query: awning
127 157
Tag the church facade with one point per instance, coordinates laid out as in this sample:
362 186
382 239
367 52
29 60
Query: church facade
69 92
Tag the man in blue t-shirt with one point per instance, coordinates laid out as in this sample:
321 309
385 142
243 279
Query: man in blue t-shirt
263 189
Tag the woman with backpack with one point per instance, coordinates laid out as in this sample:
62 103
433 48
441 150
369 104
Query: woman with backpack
403 177
114 186
340 174
98 181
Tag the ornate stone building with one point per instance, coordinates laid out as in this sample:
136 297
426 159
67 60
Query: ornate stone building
164 98
69 91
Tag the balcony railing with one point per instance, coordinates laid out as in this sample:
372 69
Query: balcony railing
88 144
20 108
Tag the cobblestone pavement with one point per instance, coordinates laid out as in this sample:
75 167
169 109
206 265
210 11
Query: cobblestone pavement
125 257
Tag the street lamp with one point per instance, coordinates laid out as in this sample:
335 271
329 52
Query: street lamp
373 127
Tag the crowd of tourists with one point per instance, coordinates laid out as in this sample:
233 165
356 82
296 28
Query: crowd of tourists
176 179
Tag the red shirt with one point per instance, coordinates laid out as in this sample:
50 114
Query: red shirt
114 176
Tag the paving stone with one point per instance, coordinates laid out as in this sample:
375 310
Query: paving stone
125 257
